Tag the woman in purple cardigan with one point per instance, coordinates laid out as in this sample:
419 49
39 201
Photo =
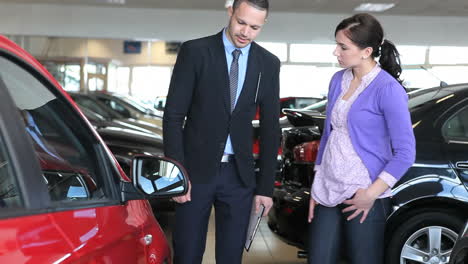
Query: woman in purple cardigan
366 147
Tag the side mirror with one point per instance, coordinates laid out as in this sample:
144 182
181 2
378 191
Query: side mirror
159 177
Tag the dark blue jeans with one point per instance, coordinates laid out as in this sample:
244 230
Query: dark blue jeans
363 243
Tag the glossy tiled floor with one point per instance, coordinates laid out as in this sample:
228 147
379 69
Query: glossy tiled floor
266 248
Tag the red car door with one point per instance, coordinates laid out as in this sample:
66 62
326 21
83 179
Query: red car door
82 220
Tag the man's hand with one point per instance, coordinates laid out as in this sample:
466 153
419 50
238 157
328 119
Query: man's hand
184 198
266 201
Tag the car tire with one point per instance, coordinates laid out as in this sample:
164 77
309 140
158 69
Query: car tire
414 234
460 258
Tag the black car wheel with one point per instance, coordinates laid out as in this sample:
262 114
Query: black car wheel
461 257
428 238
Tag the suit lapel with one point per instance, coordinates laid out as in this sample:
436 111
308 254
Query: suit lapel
251 79
220 70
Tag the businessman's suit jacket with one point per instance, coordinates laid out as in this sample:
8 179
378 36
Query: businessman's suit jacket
199 94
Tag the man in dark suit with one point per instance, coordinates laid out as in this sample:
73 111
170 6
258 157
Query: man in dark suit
217 84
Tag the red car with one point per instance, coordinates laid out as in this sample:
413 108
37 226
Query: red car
63 196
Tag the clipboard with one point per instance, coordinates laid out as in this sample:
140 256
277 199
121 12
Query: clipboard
253 225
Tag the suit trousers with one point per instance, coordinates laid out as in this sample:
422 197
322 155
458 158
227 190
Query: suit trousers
232 203
363 243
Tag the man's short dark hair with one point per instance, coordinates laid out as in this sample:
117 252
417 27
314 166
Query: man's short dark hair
259 4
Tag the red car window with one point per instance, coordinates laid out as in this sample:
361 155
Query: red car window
65 150
9 194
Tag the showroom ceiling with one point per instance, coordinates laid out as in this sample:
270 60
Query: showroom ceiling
402 7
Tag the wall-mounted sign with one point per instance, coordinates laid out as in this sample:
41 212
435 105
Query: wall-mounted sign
132 47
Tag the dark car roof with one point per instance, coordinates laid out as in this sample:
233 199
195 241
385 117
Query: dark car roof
85 100
416 98
435 94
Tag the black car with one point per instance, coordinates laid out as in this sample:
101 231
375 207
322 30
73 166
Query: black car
129 107
109 114
460 251
430 202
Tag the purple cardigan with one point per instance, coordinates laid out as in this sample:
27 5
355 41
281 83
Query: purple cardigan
379 125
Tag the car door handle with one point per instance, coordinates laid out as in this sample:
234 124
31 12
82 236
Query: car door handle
147 240
461 165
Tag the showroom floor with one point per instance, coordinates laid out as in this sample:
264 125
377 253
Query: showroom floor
266 248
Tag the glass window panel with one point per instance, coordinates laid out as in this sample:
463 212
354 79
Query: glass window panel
418 78
123 79
312 53
72 78
452 74
68 75
96 84
448 55
150 82
112 78
411 55
91 68
305 81
277 48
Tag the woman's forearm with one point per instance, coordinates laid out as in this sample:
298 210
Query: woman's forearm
377 188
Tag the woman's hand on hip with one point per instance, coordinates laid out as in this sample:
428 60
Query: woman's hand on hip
362 202
312 205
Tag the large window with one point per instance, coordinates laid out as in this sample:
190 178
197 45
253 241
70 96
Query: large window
419 78
68 75
452 74
119 79
150 82
305 81
277 48
448 55
412 55
312 53
307 69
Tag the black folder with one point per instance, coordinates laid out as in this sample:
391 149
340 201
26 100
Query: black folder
253 225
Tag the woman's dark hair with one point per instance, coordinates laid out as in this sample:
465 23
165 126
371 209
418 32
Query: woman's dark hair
259 4
365 31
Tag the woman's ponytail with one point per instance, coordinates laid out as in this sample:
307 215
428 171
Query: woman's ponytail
390 59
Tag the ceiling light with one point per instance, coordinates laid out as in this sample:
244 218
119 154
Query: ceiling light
228 3
371 7
116 2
